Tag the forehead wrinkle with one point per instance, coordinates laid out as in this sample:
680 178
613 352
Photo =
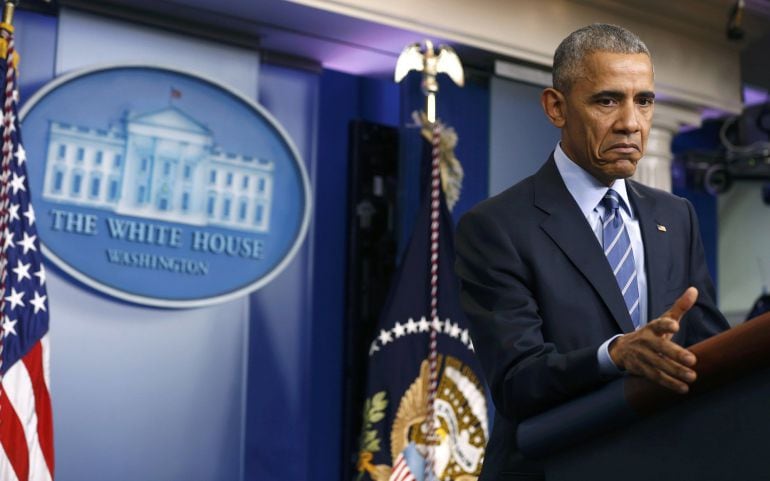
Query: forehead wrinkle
605 73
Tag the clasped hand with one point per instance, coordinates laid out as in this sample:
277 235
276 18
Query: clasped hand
650 352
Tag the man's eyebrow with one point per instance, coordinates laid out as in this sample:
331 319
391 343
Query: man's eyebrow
613 94
617 95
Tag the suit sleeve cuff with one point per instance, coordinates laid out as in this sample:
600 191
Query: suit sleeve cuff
606 366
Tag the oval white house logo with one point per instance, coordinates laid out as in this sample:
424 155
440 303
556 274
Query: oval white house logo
162 188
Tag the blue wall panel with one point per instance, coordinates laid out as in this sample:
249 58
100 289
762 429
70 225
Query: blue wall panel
340 101
521 136
280 341
36 43
377 100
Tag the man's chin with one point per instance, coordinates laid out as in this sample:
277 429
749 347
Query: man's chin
622 169
624 165
625 171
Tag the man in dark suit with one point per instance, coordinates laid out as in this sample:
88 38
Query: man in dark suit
576 275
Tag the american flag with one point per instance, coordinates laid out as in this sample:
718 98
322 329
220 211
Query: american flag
401 470
26 426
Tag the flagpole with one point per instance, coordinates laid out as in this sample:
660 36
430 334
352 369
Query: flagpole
435 212
6 29
431 64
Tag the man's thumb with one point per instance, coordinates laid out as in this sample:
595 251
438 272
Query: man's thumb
683 304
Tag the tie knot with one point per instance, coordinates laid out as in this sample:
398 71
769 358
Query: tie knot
611 203
611 200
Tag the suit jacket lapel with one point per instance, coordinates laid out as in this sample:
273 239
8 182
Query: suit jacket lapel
568 228
656 248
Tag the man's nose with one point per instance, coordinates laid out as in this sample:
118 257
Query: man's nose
628 121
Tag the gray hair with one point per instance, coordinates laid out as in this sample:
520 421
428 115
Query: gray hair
598 37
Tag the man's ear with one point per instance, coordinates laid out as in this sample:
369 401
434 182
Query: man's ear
554 106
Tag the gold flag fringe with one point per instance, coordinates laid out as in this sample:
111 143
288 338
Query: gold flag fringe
452 173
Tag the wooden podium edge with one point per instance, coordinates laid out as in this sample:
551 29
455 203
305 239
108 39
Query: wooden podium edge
721 359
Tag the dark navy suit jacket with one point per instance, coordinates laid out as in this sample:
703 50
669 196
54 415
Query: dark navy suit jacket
541 297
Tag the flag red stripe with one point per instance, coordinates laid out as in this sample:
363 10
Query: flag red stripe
13 439
401 471
398 466
34 363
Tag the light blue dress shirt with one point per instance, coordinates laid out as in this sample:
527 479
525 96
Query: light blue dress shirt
588 193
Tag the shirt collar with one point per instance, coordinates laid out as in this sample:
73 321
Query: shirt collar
585 189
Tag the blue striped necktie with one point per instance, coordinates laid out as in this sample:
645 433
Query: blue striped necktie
617 248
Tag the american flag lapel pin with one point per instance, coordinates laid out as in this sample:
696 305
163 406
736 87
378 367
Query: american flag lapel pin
661 228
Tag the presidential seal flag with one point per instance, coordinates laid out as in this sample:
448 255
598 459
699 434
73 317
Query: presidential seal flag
425 416
26 427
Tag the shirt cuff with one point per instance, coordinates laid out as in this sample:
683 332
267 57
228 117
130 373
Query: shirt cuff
606 366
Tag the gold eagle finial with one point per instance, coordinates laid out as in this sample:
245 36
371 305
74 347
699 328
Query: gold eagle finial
430 64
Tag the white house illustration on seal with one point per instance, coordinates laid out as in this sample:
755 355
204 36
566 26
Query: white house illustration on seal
160 165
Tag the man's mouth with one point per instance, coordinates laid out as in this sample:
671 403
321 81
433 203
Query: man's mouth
624 148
